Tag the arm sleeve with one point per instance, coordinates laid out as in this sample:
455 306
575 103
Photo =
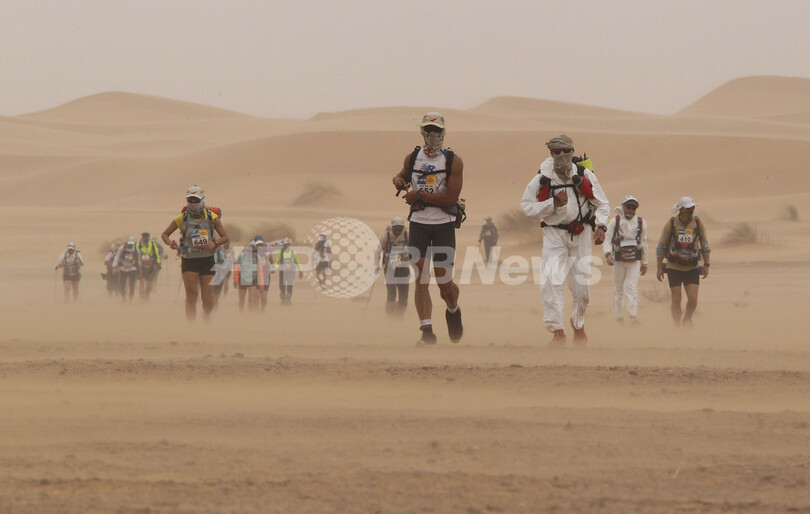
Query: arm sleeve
61 260
117 258
607 246
644 245
529 203
599 201
704 241
663 241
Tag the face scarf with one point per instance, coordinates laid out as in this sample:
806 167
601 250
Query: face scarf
195 209
434 141
562 161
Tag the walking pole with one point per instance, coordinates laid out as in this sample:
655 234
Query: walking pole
179 283
371 291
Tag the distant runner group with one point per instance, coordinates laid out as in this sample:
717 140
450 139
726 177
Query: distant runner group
565 197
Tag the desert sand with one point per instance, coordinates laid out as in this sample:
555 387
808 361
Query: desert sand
328 405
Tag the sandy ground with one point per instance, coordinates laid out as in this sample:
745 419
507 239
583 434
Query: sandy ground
328 405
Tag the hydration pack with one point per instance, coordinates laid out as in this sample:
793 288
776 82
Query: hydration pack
459 210
581 186
681 251
626 253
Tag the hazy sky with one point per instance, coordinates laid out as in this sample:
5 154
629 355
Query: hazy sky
300 57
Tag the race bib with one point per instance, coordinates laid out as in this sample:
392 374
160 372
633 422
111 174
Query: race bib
685 237
427 183
146 259
199 238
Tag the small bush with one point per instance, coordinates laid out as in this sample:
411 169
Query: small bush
273 231
516 221
314 191
741 233
235 233
789 213
657 292
104 247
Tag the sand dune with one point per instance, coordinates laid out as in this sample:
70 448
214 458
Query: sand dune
754 96
327 405
118 107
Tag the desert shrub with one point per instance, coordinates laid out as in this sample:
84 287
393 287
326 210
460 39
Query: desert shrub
741 233
235 233
657 292
105 245
314 191
516 221
274 230
789 213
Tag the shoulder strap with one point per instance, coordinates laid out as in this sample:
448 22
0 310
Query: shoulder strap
412 161
617 231
638 231
448 157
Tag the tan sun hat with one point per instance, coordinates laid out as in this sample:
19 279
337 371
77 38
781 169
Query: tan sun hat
196 191
433 118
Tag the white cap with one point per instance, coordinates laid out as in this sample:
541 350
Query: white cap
287 240
684 203
322 234
131 240
433 118
71 245
397 222
630 198
195 191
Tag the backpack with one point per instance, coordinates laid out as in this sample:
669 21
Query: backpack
626 254
389 245
208 218
459 210
680 253
581 185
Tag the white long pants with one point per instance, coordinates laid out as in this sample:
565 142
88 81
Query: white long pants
565 260
625 286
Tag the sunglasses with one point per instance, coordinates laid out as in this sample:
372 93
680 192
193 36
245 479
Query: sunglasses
193 199
558 151
631 206
431 128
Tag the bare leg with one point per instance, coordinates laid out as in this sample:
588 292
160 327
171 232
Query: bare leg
207 294
421 294
242 294
448 290
675 308
191 284
691 302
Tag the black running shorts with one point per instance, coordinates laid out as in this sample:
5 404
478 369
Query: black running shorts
677 277
200 265
441 239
